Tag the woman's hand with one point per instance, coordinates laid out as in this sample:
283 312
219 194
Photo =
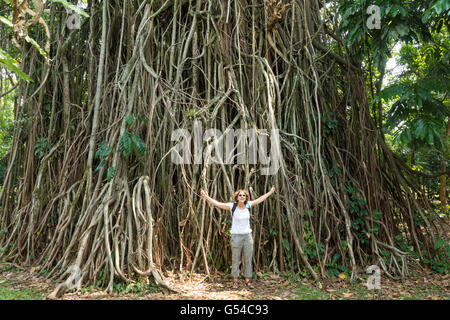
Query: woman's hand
273 189
216 203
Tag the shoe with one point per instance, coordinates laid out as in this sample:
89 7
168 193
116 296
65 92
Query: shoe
250 285
235 285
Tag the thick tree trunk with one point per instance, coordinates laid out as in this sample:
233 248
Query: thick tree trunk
118 207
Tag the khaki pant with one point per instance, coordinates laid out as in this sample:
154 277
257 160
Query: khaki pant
239 243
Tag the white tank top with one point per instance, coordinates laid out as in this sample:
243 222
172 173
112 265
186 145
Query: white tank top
241 219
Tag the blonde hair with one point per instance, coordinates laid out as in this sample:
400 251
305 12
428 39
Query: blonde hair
247 195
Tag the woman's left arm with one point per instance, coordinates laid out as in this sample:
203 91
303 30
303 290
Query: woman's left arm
263 197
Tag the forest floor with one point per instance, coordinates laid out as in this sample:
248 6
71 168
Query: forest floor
20 284
17 283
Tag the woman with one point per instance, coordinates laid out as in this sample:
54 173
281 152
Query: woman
241 232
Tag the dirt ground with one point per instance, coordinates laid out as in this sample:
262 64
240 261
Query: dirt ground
422 286
197 286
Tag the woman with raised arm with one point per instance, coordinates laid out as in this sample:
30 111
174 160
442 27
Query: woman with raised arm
241 232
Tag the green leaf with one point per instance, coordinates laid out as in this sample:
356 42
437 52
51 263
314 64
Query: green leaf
110 173
355 34
37 46
104 149
394 10
429 135
27 38
8 59
427 15
336 256
139 145
41 147
102 163
441 6
405 136
72 7
437 138
12 65
6 21
344 245
440 243
129 119
402 30
420 129
376 215
15 70
403 12
286 245
126 144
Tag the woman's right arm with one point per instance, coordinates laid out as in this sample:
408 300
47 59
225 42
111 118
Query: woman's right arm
214 202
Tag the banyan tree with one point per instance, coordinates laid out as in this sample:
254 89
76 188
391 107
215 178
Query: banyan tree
91 180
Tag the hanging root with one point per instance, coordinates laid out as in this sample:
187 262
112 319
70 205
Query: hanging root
59 291
147 221
157 275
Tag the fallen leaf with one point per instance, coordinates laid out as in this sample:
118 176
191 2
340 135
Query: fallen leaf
342 276
347 294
